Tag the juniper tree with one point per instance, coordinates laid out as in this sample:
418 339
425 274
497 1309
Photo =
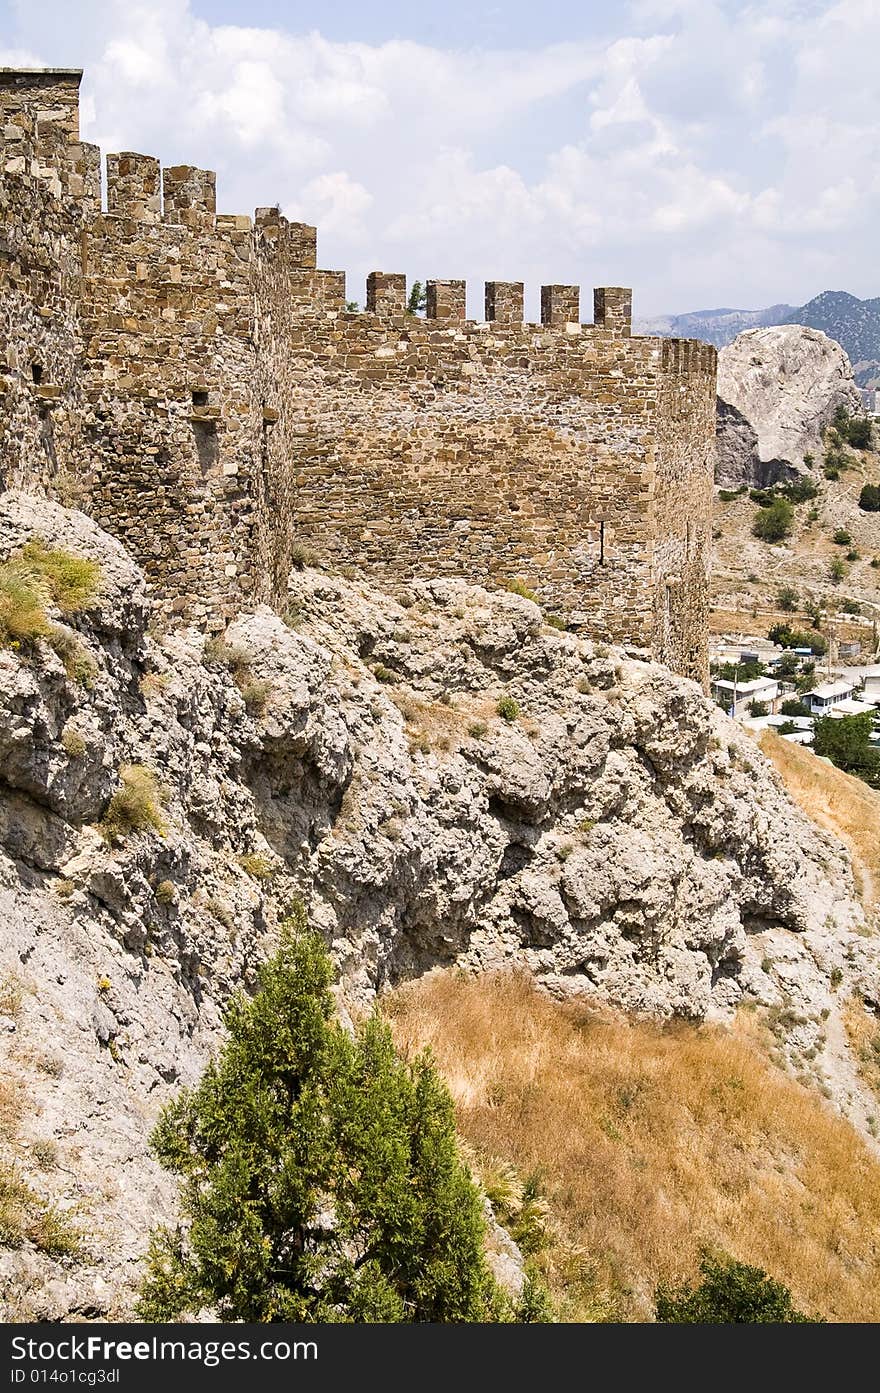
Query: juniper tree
321 1179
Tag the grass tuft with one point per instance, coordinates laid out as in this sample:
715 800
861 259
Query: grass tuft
135 806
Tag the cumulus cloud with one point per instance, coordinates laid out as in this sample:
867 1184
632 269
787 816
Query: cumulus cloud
706 152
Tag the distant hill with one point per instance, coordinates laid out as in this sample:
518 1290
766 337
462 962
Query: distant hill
714 326
854 323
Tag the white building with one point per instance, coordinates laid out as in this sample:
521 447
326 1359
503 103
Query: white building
828 696
737 697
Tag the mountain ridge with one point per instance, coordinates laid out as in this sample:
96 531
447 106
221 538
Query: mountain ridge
851 322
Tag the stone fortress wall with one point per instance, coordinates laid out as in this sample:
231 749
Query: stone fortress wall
194 381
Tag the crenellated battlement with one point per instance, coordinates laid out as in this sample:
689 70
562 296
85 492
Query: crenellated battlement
195 381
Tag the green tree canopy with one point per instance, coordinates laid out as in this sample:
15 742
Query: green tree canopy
321 1179
845 740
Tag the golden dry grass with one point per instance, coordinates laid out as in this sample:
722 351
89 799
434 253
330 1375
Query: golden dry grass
863 1032
651 1143
839 802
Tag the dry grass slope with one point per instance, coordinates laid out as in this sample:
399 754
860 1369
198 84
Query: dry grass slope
837 802
652 1142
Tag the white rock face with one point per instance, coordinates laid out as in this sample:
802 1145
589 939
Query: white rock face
778 388
620 837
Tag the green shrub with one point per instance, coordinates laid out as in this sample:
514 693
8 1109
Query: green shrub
384 674
787 599
850 607
800 490
774 523
477 729
730 1293
321 1179
837 568
507 708
135 806
797 638
869 498
758 708
786 728
555 621
787 664
840 537
728 495
792 707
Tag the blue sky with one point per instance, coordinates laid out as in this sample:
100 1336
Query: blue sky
706 152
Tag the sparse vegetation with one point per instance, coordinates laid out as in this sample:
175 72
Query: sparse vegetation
136 806
854 430
257 865
477 730
840 537
519 587
837 569
26 1218
863 1032
301 556
255 695
508 709
653 1144
384 674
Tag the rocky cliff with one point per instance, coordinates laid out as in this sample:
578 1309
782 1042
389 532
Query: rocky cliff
777 390
441 777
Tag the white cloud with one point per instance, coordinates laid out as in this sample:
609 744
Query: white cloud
709 152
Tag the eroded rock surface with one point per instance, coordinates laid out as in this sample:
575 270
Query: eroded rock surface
617 835
778 387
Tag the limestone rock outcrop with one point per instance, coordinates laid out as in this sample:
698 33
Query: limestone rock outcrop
778 387
441 777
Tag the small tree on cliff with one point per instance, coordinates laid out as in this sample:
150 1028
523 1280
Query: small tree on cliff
321 1176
